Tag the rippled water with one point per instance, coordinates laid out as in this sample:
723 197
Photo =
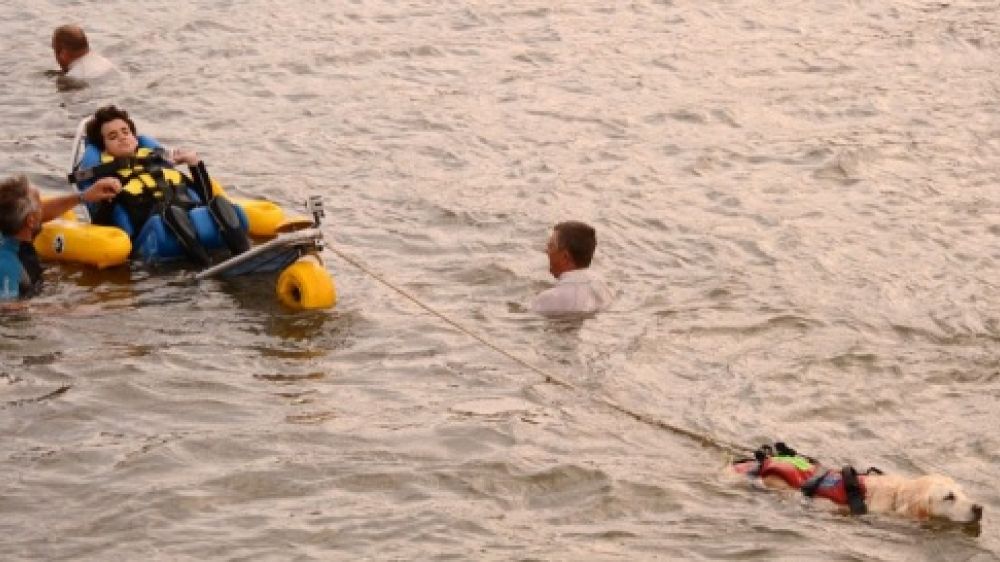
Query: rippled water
797 207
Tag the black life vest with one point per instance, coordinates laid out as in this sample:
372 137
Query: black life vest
149 181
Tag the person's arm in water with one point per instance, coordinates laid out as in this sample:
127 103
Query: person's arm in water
103 189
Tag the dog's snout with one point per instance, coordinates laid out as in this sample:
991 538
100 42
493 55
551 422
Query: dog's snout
977 512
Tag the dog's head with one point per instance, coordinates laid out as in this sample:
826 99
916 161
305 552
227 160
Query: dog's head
937 496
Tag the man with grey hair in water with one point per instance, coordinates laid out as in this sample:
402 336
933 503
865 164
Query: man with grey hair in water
570 250
22 213
77 61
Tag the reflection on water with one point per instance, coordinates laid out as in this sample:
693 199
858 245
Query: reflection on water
795 210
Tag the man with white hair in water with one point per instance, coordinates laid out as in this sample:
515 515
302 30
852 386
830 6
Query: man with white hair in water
77 61
578 291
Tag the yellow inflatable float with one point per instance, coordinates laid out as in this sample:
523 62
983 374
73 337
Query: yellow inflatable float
303 285
70 240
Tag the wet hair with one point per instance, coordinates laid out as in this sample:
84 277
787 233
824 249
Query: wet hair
104 115
15 204
70 38
580 239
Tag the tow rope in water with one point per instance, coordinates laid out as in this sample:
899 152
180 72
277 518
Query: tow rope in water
46 396
701 438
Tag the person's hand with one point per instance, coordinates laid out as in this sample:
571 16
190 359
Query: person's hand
103 189
184 156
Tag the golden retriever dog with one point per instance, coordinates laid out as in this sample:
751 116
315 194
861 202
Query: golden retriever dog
920 498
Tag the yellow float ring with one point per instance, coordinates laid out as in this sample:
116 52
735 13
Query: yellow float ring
264 217
217 188
79 242
306 285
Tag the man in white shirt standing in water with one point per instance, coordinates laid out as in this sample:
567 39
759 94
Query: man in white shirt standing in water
77 61
578 290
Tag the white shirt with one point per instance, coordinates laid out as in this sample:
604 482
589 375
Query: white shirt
576 292
89 67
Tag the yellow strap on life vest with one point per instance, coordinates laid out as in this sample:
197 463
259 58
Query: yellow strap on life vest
139 181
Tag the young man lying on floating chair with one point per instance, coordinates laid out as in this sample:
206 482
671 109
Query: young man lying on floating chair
156 200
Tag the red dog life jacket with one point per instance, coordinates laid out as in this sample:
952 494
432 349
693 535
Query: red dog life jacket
798 472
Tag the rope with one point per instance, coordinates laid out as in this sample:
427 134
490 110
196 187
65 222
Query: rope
25 401
703 439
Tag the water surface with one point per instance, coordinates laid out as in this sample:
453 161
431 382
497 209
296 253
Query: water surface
797 208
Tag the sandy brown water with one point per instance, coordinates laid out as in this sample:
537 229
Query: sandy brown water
798 209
